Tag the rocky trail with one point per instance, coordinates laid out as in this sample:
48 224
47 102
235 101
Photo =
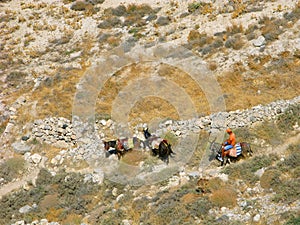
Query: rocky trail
20 183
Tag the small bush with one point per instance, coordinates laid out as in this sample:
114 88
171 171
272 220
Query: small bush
163 21
119 10
234 29
293 221
80 6
245 170
224 197
200 207
270 179
235 42
15 78
197 39
271 28
215 184
289 118
294 15
200 7
12 168
269 131
110 23
288 191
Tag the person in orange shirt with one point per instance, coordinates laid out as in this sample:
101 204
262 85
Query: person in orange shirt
229 143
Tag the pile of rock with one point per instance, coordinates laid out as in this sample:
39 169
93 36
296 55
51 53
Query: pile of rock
233 119
54 131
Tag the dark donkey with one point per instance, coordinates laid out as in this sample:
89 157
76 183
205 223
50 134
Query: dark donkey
158 146
122 146
243 148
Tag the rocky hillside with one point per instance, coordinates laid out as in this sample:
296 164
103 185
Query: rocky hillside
75 73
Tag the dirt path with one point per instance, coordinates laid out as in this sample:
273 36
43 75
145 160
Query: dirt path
7 188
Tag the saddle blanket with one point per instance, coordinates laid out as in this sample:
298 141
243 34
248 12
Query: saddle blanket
236 150
127 143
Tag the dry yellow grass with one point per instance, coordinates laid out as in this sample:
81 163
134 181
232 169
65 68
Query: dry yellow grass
134 157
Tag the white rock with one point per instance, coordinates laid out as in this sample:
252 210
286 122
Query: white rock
36 158
260 41
120 197
27 156
256 218
103 122
21 147
223 209
223 177
44 222
115 192
126 222
178 133
25 209
75 55
9 128
260 172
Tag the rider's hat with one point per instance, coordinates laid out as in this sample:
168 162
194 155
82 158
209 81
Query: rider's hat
228 130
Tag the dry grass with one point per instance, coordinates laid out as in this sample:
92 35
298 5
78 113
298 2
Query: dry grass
225 197
134 157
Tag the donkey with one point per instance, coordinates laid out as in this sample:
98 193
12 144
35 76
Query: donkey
158 146
243 150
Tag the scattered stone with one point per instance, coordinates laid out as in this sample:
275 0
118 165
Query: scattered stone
21 148
256 218
119 197
9 128
36 158
25 209
259 42
115 192
163 21
126 222
25 138
260 172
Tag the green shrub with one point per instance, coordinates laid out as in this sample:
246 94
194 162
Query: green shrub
289 118
236 42
196 39
15 78
12 168
245 170
288 191
119 10
200 7
70 192
200 207
80 6
270 179
293 221
294 15
271 28
269 132
110 23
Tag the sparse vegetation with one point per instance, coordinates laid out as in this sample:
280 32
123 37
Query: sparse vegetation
258 79
289 118
224 197
71 194
12 168
201 7
245 170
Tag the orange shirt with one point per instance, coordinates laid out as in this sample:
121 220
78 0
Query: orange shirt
231 140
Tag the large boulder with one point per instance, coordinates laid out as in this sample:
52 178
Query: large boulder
21 147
